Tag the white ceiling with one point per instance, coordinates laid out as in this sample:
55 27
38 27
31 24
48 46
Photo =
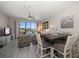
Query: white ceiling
39 9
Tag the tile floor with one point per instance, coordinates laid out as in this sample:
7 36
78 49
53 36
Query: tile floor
12 51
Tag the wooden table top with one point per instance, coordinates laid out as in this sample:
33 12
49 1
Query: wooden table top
54 36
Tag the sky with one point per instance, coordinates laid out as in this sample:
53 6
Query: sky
28 25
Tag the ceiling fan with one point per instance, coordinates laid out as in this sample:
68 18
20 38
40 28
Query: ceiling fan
30 17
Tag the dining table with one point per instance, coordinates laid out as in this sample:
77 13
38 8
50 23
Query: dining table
55 37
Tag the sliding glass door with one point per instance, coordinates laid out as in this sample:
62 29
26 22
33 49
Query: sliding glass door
21 28
26 26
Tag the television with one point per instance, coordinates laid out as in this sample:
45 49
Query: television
7 31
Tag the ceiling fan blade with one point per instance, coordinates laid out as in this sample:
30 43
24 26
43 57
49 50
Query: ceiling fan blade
32 17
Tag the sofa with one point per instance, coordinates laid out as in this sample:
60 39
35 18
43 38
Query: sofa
23 41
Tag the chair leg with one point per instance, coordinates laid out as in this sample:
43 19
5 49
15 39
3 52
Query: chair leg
70 53
52 52
65 55
38 51
41 53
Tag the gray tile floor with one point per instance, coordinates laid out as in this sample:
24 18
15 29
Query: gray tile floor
12 51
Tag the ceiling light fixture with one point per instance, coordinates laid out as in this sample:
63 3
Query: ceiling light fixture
29 17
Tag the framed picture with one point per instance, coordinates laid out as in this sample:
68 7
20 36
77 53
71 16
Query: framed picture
45 25
67 22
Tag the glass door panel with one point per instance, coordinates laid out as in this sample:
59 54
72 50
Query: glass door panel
22 28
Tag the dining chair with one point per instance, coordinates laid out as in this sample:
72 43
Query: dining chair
66 49
43 47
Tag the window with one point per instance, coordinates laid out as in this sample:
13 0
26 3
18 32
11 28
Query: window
22 25
33 25
25 26
28 25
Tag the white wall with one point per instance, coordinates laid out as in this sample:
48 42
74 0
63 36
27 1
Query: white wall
4 21
56 21
17 28
12 25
